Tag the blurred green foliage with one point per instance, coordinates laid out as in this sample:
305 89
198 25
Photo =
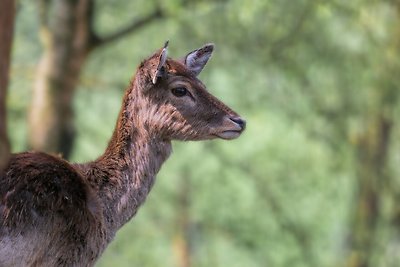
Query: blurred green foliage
309 76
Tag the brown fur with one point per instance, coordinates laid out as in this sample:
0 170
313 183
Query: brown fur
53 213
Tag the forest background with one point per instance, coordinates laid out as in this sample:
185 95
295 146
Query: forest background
313 181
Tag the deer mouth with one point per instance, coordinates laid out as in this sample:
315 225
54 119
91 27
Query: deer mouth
229 135
232 127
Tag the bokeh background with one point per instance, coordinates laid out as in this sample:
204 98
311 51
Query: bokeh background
315 178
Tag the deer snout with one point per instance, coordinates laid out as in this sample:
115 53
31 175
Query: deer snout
239 121
231 128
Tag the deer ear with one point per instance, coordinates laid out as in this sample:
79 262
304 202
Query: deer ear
197 59
160 70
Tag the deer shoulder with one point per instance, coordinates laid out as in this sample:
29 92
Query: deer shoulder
43 199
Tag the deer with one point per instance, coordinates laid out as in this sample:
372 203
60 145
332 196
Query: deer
56 213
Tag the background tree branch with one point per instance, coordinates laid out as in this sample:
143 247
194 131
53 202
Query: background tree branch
133 26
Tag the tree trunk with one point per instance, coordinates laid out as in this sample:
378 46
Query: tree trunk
67 36
66 40
183 237
7 13
372 152
372 148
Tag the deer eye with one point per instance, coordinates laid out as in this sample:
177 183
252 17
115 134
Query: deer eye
179 91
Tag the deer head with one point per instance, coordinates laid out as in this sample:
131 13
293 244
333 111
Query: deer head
175 104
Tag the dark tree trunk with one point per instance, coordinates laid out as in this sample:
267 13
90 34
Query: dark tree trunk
67 36
183 236
372 150
7 13
66 40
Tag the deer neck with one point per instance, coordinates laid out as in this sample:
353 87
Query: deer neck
129 165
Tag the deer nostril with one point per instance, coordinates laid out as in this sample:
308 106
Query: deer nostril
239 121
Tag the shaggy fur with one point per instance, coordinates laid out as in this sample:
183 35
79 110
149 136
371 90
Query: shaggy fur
54 213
